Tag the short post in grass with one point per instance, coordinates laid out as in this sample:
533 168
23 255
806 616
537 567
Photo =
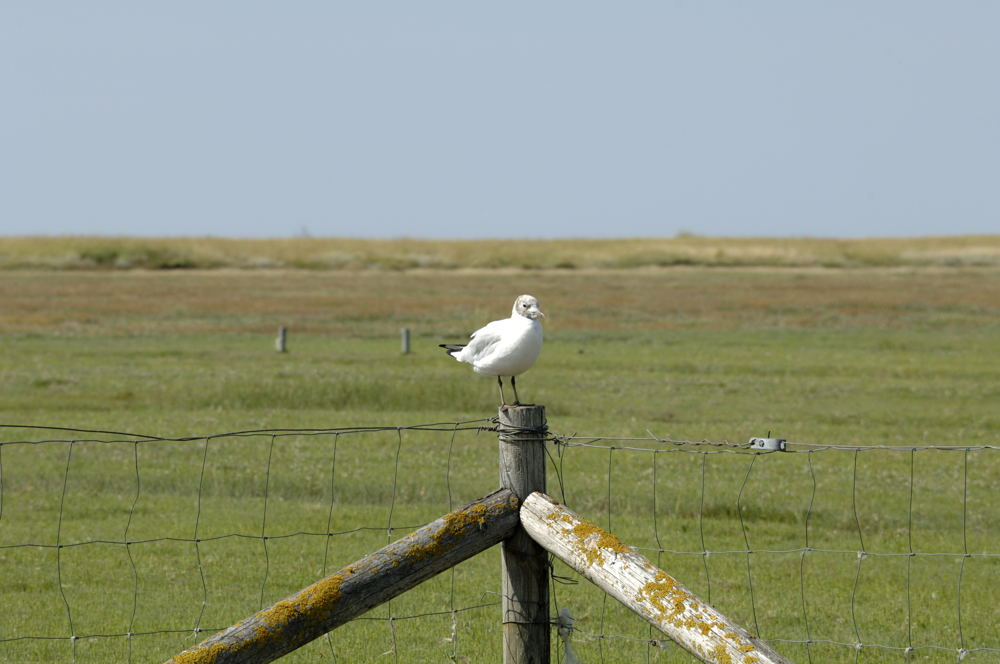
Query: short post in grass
524 564
279 342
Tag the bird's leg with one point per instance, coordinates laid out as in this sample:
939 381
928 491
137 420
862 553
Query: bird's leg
503 402
513 384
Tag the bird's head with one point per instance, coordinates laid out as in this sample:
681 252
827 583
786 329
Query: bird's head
527 306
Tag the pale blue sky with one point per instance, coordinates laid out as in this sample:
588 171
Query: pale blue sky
461 119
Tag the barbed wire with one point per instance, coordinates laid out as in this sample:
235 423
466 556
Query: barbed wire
616 452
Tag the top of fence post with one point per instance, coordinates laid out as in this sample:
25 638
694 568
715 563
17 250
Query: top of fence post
524 567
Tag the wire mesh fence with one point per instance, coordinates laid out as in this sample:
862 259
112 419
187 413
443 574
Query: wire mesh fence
126 547
828 552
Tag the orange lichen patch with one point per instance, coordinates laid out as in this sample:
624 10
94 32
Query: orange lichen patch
666 595
324 594
677 606
721 655
456 524
199 655
556 517
220 646
313 604
596 542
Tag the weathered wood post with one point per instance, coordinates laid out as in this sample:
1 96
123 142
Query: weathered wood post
404 340
524 564
279 342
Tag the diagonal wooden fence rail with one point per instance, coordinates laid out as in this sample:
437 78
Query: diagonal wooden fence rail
635 582
363 585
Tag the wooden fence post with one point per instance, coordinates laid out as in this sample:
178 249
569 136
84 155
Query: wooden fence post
524 564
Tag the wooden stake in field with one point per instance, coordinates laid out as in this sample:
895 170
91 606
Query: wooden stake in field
638 584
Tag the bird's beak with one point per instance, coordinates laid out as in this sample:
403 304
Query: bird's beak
538 313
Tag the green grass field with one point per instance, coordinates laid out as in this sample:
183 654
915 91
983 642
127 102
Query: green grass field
892 355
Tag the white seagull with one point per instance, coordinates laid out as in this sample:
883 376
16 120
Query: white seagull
507 347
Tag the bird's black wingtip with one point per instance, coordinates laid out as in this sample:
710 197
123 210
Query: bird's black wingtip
451 349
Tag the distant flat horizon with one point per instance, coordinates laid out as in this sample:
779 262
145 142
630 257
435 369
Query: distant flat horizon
678 236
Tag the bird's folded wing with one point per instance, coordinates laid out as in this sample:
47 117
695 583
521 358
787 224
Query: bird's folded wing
483 339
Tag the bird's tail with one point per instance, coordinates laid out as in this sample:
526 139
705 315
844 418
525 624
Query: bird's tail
451 349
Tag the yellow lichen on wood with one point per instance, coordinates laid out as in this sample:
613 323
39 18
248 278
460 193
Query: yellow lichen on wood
200 655
722 656
554 517
456 524
667 596
312 606
324 595
595 542
678 607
